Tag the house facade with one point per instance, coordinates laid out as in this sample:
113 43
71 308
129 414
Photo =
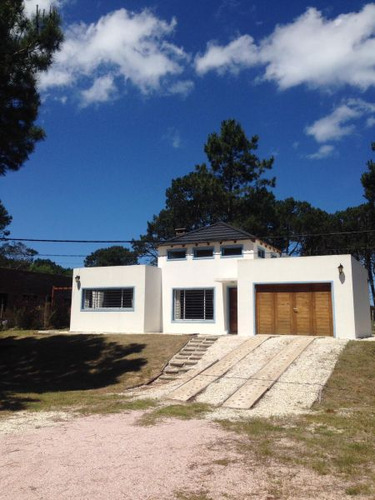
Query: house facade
222 280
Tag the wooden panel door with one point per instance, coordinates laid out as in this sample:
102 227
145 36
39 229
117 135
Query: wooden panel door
265 315
304 309
303 313
323 313
283 313
233 322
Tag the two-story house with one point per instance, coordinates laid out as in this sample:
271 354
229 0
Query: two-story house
222 280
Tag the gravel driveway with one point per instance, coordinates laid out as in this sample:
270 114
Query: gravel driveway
111 457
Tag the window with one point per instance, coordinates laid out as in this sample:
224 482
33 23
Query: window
108 298
203 253
261 253
274 256
231 251
193 304
177 254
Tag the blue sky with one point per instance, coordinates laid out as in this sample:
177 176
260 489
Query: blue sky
139 85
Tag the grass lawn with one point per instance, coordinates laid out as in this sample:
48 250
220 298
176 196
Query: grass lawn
58 371
337 437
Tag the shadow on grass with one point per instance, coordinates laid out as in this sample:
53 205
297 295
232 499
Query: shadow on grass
61 363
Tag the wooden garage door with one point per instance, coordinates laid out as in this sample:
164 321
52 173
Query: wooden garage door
304 309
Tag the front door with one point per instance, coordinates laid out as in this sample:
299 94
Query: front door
233 328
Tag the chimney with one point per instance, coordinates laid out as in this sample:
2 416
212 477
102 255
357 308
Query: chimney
180 231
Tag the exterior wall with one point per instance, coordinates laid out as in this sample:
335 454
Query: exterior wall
111 321
348 318
361 300
218 273
153 311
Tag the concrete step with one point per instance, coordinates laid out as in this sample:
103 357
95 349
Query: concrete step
171 371
177 363
187 358
167 377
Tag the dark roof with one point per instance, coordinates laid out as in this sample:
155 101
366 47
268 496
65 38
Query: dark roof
220 231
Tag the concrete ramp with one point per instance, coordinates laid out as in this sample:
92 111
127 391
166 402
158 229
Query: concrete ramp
255 388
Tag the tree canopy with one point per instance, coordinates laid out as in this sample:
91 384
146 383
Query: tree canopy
233 187
26 49
111 256
47 266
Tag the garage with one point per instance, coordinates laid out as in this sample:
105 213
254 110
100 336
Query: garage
294 309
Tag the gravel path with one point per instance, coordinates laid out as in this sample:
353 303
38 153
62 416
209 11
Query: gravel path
100 457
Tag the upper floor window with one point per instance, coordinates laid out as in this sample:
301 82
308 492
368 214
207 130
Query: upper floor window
177 254
108 298
203 252
231 251
261 253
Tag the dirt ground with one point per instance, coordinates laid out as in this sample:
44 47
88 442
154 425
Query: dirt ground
111 457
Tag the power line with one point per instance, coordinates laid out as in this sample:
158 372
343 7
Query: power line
35 240
58 255
269 237
336 233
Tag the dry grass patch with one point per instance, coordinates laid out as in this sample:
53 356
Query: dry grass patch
337 438
181 411
85 372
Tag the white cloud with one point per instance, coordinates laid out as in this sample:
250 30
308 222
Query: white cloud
238 54
182 87
132 47
332 127
30 5
102 90
339 123
317 51
173 136
311 50
323 152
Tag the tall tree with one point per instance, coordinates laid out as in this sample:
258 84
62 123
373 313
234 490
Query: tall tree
16 256
232 188
297 223
234 164
26 49
5 220
368 181
111 256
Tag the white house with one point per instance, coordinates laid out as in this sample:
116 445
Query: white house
222 280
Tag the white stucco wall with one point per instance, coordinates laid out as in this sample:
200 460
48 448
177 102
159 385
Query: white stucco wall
361 300
217 273
153 311
116 321
323 269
